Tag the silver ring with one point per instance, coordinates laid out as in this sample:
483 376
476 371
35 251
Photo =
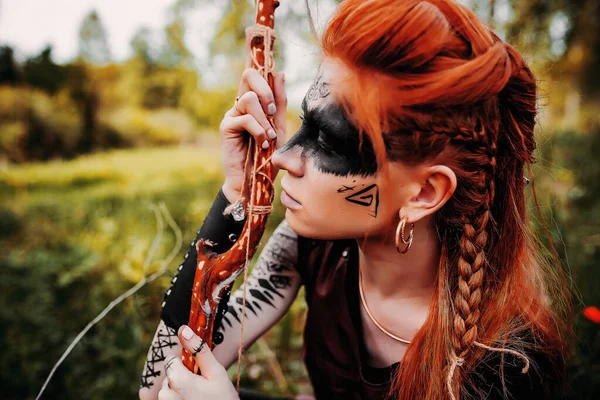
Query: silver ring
236 104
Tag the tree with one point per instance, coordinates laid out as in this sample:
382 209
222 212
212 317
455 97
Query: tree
175 52
141 45
9 72
93 45
533 22
42 72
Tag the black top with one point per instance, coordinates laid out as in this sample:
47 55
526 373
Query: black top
335 354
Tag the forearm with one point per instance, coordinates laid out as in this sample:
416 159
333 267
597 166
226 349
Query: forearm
271 288
219 229
164 345
223 231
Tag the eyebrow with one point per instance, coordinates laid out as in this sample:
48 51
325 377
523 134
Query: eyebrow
322 124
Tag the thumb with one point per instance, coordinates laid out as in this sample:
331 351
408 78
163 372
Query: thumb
209 367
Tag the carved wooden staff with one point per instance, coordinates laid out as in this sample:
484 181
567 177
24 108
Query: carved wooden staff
215 273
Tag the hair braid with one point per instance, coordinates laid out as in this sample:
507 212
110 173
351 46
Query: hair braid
472 257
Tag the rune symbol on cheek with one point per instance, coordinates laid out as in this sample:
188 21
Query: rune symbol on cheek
367 197
345 188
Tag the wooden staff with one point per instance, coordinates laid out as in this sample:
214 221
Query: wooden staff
215 273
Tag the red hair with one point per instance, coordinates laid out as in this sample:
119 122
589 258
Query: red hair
428 82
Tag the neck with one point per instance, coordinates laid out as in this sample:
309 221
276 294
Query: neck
396 275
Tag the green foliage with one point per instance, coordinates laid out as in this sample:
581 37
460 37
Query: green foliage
36 125
230 37
41 72
9 72
73 236
568 183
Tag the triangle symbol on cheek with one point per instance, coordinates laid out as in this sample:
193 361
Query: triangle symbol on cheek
367 197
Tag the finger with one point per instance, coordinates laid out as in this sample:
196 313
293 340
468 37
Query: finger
252 81
281 103
236 126
210 368
166 393
249 104
180 379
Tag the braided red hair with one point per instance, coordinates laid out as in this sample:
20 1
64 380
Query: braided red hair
429 81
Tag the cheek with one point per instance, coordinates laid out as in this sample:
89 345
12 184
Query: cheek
338 207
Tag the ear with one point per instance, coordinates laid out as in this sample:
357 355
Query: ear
440 184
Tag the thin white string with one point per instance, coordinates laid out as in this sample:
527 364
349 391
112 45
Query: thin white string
459 361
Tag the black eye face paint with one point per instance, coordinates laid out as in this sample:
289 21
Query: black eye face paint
330 139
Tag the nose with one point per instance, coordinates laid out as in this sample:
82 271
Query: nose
289 159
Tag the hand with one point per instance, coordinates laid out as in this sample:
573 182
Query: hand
213 384
256 102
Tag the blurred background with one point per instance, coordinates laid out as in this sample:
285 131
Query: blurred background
108 107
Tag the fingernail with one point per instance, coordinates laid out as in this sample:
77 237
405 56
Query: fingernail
271 133
271 109
265 145
187 333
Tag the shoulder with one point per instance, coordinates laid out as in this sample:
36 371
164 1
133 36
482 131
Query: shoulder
505 376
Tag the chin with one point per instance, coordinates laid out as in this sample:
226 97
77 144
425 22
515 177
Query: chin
313 231
328 230
301 227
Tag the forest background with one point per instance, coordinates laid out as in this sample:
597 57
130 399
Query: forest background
90 147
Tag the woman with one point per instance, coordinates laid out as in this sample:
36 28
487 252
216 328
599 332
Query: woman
405 221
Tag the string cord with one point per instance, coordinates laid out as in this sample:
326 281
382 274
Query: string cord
457 362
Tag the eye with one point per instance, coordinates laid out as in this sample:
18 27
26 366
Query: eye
324 143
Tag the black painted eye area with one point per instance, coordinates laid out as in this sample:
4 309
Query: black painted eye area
324 143
326 135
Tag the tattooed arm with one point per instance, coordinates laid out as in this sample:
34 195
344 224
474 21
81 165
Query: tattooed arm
164 345
272 287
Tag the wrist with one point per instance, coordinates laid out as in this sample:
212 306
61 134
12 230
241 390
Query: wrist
232 195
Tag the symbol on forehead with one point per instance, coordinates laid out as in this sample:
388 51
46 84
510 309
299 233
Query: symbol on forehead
318 90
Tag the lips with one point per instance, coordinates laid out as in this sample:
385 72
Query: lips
288 201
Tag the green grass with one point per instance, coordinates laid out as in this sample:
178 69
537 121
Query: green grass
73 236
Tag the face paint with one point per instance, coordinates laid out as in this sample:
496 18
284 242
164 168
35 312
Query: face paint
328 136
318 90
366 196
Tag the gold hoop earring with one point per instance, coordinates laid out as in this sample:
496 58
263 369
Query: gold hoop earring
400 235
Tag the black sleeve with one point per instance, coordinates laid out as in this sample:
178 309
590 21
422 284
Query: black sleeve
218 228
